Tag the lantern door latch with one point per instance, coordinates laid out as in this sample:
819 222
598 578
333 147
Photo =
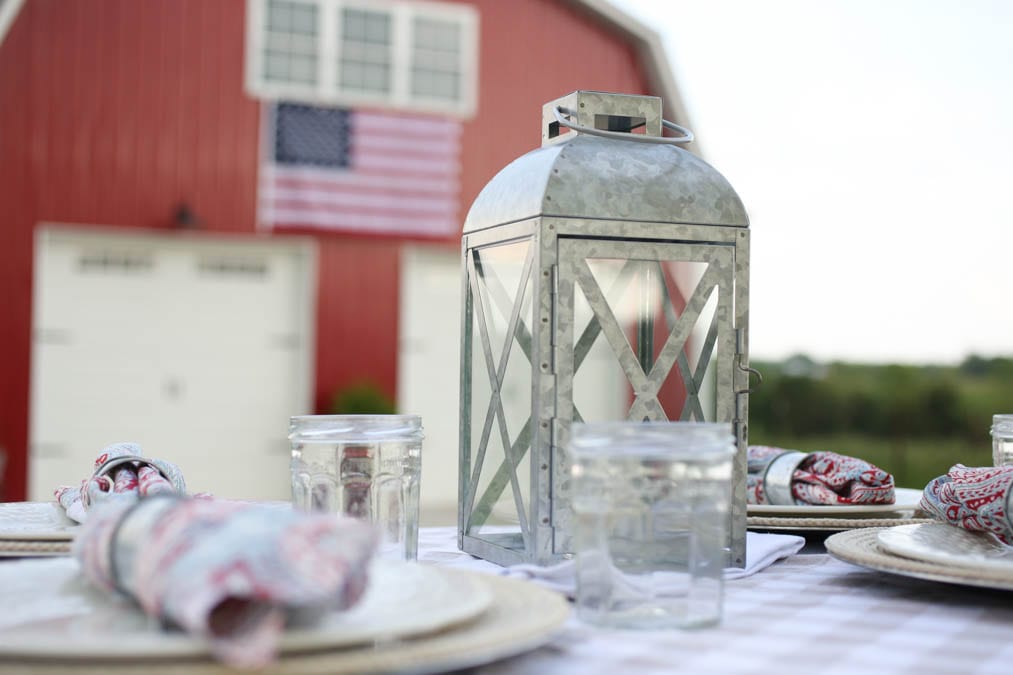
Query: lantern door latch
749 371
740 355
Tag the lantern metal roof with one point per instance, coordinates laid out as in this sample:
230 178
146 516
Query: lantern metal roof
589 176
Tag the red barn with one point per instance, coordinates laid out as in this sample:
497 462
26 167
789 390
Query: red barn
217 213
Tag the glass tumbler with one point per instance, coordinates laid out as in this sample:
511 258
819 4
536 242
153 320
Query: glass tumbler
1002 440
651 502
365 466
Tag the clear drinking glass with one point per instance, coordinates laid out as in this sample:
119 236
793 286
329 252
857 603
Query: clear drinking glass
366 466
1002 440
652 503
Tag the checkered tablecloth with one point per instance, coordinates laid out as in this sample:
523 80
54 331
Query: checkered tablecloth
806 614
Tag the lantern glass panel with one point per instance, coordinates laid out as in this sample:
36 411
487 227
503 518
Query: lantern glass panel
501 348
664 309
601 391
643 301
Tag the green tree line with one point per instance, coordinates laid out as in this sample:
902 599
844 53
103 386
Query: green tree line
800 398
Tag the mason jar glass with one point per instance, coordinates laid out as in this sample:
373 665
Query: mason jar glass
1002 440
652 503
365 466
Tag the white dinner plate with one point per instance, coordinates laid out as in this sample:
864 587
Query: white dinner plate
52 612
522 617
906 500
947 545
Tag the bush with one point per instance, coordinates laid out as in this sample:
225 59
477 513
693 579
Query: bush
361 398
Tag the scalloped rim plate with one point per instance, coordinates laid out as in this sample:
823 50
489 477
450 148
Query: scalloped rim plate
907 499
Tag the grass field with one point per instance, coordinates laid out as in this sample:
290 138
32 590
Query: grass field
912 462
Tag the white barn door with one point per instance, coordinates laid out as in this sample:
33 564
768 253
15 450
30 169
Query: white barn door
198 347
428 366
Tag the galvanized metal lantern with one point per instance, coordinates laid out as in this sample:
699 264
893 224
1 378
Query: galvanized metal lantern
605 278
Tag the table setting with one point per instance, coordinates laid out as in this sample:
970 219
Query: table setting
792 491
966 542
146 575
179 583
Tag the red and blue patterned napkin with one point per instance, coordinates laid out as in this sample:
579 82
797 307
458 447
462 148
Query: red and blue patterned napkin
120 472
973 498
233 573
821 478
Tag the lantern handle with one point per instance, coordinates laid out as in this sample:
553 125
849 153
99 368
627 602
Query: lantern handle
686 137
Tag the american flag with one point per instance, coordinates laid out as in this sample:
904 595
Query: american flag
362 171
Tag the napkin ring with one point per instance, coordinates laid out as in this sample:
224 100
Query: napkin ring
1008 505
778 476
127 536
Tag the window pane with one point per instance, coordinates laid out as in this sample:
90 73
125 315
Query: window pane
291 16
447 85
422 81
376 53
432 84
303 69
366 51
279 16
304 20
304 45
276 66
352 77
440 35
377 29
354 22
436 59
291 41
439 61
377 77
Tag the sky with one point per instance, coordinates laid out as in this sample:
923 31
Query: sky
872 144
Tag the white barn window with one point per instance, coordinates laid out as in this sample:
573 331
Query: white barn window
418 56
367 51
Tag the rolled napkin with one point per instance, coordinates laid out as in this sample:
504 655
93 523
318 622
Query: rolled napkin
789 477
235 573
973 498
120 472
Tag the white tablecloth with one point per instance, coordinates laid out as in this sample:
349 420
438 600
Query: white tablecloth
806 614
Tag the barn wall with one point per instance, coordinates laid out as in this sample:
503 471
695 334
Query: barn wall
115 112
